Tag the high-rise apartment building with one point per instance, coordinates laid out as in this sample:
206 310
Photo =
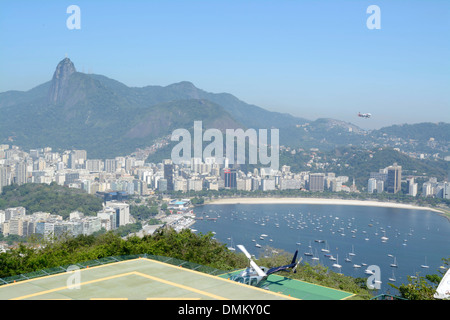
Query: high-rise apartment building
3 177
394 178
110 165
21 173
94 165
316 182
229 177
71 177
122 212
168 175
446 191
372 185
77 157
412 187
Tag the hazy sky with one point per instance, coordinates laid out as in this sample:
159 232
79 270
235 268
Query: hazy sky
312 59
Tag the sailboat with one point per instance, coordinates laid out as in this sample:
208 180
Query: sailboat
316 256
347 259
310 250
326 249
425 265
353 252
392 279
337 265
394 264
231 247
368 271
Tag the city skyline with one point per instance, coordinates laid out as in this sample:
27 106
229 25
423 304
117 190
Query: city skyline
312 59
134 175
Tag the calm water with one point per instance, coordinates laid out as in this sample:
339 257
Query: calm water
415 237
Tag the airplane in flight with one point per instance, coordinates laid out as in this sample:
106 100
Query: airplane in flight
255 275
364 115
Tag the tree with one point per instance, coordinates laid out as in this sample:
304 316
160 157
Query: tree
421 288
197 201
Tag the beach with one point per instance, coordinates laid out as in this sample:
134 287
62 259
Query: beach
326 201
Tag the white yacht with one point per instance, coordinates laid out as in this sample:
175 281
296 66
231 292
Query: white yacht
337 265
425 266
353 252
367 271
394 264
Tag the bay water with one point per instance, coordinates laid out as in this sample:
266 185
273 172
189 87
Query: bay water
401 242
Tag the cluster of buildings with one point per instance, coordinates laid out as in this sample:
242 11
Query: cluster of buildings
114 179
132 175
208 175
71 168
433 188
390 180
15 221
386 180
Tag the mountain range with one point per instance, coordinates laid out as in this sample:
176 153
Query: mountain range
76 110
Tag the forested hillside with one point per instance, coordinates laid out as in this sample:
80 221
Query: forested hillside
358 163
52 198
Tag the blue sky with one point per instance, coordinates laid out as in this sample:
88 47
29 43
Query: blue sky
309 58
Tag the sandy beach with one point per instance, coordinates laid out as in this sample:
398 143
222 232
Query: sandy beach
369 203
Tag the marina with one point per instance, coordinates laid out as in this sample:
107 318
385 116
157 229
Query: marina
395 239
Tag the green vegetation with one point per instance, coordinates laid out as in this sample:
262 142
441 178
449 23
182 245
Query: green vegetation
104 117
421 288
143 212
40 254
12 238
107 118
197 201
52 198
358 163
419 132
127 229
184 245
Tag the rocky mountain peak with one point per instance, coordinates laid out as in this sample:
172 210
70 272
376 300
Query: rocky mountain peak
64 70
